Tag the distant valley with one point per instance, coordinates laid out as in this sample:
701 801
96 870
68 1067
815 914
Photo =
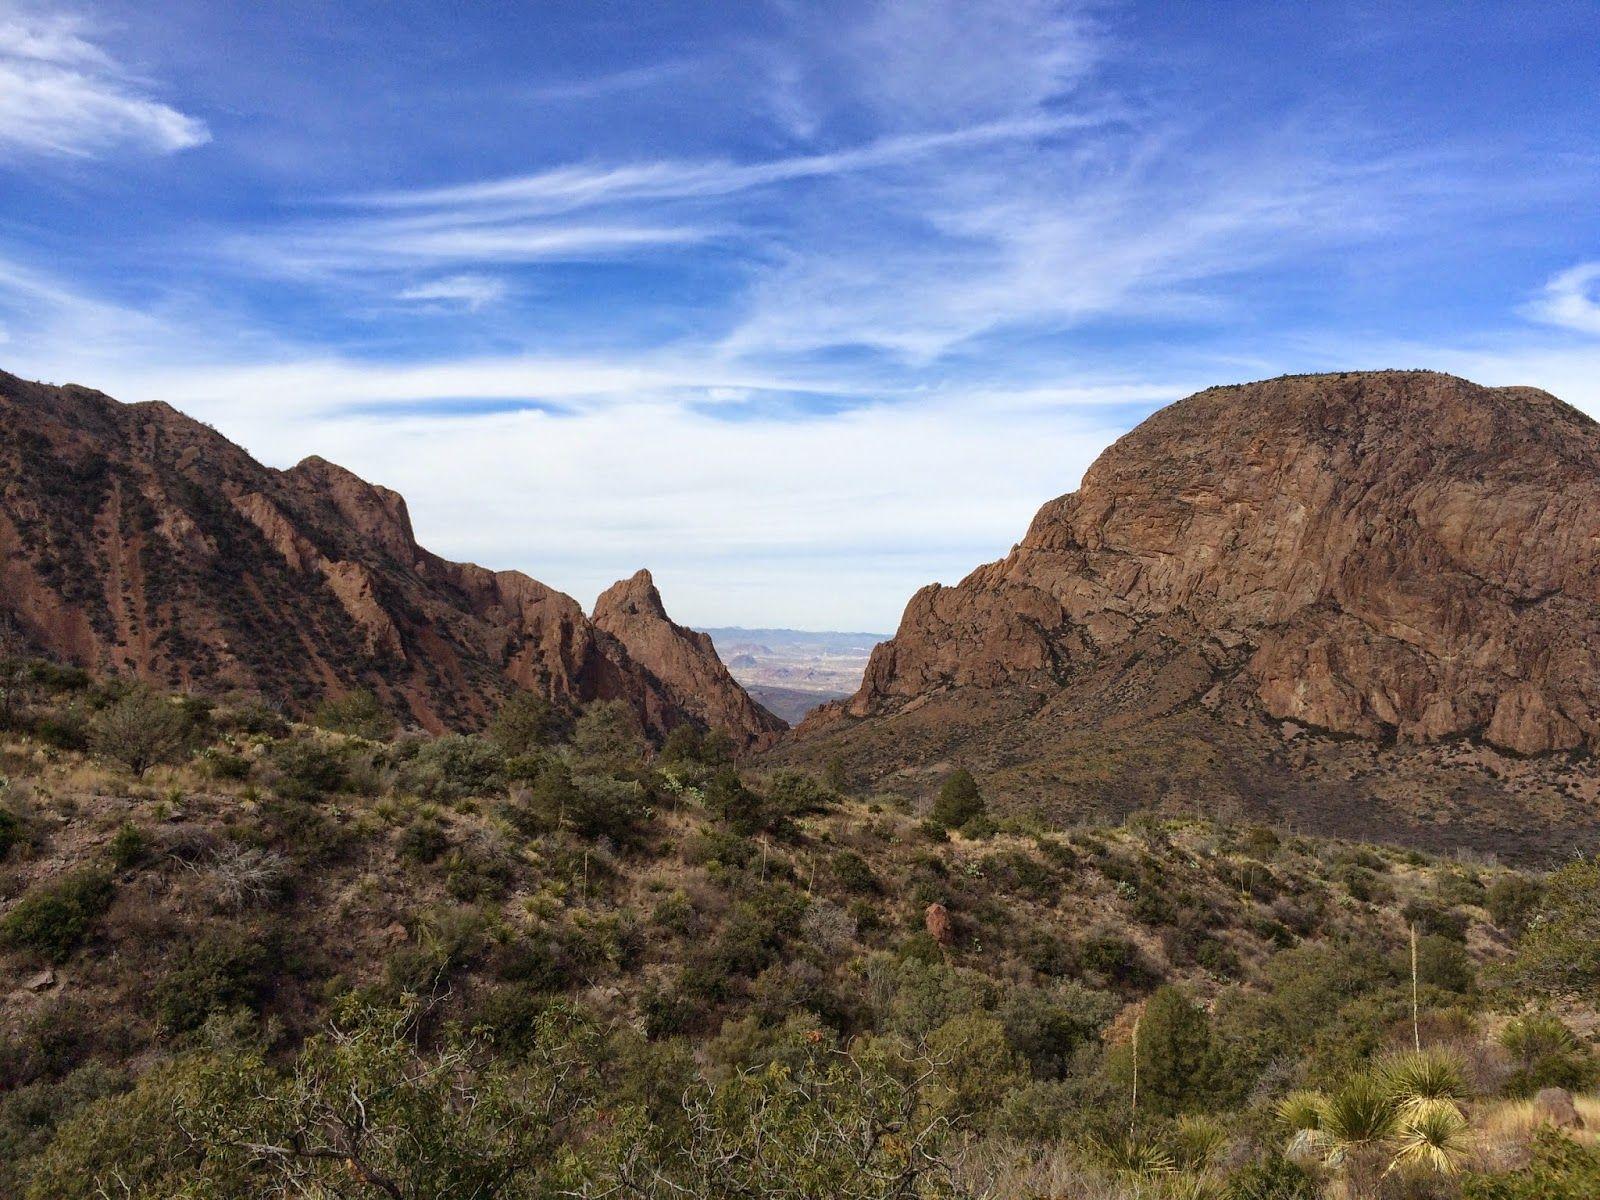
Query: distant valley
791 671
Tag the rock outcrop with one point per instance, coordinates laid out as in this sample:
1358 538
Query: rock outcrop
1390 555
684 661
1368 602
137 540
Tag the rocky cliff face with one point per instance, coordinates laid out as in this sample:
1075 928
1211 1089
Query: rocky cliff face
684 660
134 539
1389 555
1290 596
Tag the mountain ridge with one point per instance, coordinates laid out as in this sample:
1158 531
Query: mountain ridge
137 540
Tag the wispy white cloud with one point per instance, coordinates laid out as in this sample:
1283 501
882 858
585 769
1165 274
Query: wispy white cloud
737 517
1571 299
61 94
471 292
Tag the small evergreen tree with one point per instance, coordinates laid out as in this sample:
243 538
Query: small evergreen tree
959 801
524 724
1178 1060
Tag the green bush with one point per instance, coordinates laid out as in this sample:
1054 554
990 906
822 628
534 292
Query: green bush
50 920
306 770
128 847
223 970
1180 1069
358 713
11 832
454 766
525 724
959 801
1559 953
1512 900
853 873
423 840
140 730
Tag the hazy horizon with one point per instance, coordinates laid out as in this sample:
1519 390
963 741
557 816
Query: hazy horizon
800 306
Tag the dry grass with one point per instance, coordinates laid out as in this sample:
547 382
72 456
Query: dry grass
1504 1131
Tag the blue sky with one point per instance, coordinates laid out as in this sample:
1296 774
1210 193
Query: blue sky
801 305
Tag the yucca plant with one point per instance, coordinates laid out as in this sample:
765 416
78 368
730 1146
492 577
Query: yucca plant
1421 1077
1433 1134
1197 1142
1535 1035
1133 1154
1300 1115
1359 1117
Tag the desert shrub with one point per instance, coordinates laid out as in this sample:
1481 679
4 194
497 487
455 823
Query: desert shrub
1512 900
254 717
423 840
958 802
852 872
607 738
792 794
51 919
453 766
305 770
29 1117
729 802
128 847
1272 1178
1436 920
1457 887
1047 1027
603 807
1559 952
525 724
1545 1053
1443 963
976 1065
12 833
224 764
241 876
1111 960
1561 1169
1364 884
139 731
358 713
225 969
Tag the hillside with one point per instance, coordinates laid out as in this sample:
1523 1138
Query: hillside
1336 599
665 958
136 540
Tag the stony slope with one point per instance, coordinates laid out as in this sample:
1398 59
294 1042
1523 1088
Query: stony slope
1401 558
135 539
683 659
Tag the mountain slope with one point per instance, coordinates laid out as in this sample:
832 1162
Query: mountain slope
135 539
683 659
1401 558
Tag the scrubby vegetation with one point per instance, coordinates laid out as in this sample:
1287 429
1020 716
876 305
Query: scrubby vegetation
257 959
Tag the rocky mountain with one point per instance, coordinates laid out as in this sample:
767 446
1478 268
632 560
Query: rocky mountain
683 659
1370 563
135 539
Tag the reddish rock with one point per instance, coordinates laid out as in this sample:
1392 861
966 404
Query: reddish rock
936 920
1390 555
137 540
1555 1105
684 661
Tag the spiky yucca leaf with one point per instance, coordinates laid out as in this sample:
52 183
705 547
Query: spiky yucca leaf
1432 1135
1300 1111
1360 1115
1197 1142
1419 1076
1133 1154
